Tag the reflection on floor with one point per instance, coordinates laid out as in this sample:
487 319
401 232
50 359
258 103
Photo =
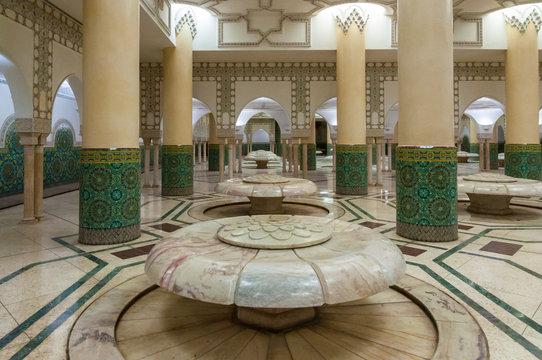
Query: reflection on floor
47 278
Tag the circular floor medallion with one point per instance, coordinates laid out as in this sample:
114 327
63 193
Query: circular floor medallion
274 232
413 320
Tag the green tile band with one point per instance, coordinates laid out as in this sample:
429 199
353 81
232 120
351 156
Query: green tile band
523 161
177 170
109 196
427 193
351 170
214 157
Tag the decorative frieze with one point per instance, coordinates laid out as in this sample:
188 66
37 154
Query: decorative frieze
521 21
353 15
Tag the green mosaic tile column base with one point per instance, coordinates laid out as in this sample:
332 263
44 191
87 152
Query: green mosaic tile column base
351 170
109 196
311 157
493 156
427 193
177 170
213 160
523 161
393 156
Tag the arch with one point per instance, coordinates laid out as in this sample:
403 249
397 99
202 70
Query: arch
63 124
485 111
66 110
471 91
264 105
21 93
199 109
4 129
392 118
260 136
328 111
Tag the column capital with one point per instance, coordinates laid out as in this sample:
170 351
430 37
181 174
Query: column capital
521 20
150 133
32 126
185 16
353 14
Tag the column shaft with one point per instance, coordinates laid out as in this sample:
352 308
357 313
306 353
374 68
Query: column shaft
38 178
296 160
221 162
283 156
305 161
370 162
231 162
156 162
109 196
28 212
378 164
426 155
147 164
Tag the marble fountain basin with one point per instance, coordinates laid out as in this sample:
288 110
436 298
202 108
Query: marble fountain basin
261 157
266 191
490 193
463 156
276 269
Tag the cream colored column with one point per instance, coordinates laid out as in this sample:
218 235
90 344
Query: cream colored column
426 86
205 151
296 158
351 82
521 87
156 161
426 91
272 146
334 142
194 146
370 161
283 144
221 161
240 152
305 166
231 161
147 164
199 151
488 166
389 155
177 129
290 155
378 163
481 153
38 177
28 212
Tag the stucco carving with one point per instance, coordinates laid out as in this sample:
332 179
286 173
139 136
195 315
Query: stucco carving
522 20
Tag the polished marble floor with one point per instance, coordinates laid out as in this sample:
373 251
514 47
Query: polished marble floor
47 278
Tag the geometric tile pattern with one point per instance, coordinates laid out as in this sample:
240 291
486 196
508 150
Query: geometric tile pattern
177 170
523 161
500 247
351 169
109 198
427 193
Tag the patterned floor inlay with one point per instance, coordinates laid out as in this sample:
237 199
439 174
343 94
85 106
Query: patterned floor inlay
47 278
371 225
412 320
407 250
128 254
166 227
501 248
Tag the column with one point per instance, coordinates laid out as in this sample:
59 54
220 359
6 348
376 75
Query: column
389 156
240 152
481 154
109 196
147 159
487 153
200 148
370 162
272 146
522 148
296 159
156 162
29 146
378 163
290 155
231 161
38 177
351 166
304 150
426 155
221 162
205 151
177 161
283 144
334 144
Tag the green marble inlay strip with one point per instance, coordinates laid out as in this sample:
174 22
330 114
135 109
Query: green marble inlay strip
48 330
527 345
